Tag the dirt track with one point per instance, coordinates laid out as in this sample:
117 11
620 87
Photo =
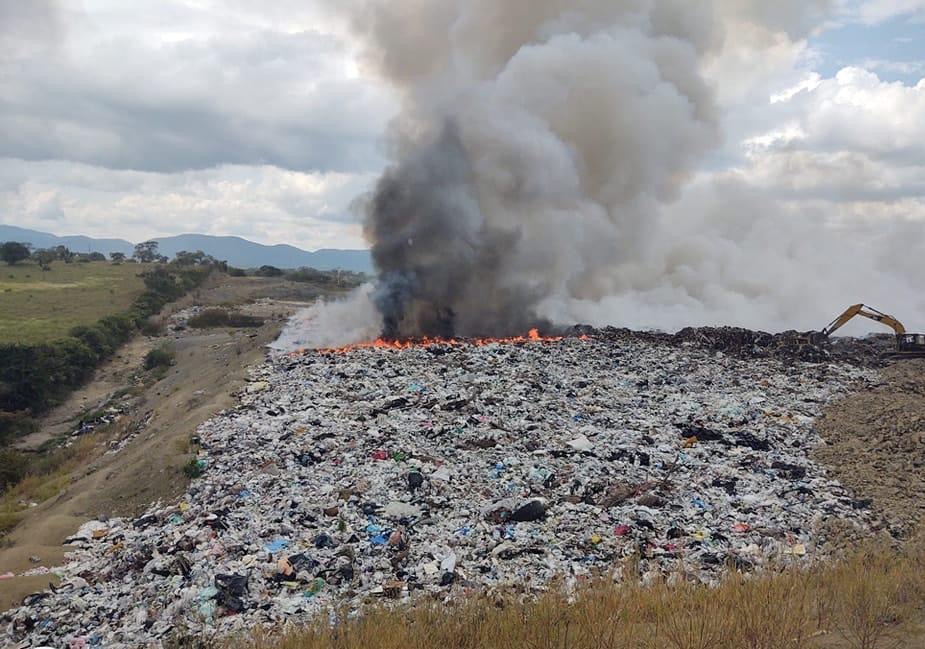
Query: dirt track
210 366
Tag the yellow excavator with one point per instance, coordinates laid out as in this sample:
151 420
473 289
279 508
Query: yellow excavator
906 344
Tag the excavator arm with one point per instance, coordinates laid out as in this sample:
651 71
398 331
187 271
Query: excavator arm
867 312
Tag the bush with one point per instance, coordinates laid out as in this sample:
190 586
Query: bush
13 467
160 357
14 425
311 275
269 271
211 318
236 272
151 327
100 340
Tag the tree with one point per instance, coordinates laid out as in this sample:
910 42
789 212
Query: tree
13 252
146 252
96 256
44 258
117 257
184 258
64 254
269 271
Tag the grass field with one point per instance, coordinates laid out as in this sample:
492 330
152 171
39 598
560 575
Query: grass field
37 306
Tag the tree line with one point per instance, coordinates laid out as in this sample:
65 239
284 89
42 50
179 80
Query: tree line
15 252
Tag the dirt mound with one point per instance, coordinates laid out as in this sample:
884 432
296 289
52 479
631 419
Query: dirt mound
875 445
789 347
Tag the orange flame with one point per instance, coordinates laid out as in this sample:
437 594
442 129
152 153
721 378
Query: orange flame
533 336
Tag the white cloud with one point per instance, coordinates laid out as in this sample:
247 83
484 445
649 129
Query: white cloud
857 112
878 11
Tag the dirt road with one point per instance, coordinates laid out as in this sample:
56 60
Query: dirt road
210 366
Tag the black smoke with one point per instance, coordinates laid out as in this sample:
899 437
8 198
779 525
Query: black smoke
441 264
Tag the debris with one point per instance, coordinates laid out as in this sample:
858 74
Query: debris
582 444
532 511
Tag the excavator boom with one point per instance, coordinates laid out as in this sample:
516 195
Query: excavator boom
867 312
907 345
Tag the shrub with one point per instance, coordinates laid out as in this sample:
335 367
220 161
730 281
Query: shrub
151 327
14 425
236 272
310 275
269 271
97 338
13 467
211 318
160 357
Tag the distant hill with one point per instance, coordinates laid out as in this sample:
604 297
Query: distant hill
235 250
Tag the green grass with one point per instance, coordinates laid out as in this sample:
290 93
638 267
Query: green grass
37 306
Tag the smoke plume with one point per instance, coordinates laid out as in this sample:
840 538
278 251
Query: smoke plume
542 171
535 143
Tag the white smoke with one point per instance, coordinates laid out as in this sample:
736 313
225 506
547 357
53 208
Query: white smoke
332 324
582 124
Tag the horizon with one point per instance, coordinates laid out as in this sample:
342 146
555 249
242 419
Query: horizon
180 234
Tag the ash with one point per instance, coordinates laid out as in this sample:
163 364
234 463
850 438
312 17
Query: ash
444 470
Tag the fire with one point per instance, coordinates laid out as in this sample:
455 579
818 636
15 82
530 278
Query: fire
532 336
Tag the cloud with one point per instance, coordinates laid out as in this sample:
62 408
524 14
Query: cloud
908 68
194 91
850 137
878 11
28 28
263 203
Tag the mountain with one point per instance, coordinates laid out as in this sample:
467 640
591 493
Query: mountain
235 250
74 243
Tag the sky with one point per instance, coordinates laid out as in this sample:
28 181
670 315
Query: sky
260 119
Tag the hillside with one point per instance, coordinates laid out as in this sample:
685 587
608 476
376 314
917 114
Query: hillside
37 306
235 250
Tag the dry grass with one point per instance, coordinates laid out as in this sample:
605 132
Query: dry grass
874 600
48 477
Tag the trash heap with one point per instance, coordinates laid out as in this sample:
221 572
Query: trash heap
442 470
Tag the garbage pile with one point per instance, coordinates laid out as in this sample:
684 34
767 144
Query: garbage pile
440 470
788 346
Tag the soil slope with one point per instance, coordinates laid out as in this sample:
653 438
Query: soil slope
876 446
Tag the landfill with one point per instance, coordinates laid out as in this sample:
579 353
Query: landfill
439 470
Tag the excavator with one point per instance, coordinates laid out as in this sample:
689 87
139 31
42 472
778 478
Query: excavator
907 345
